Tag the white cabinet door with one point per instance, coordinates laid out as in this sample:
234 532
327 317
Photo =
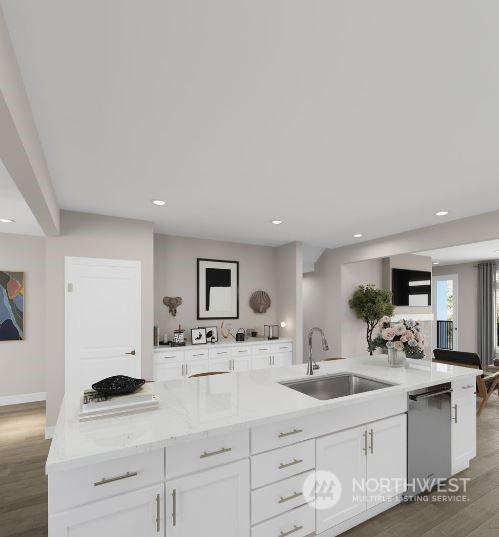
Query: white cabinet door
386 459
463 432
241 363
168 370
127 515
342 454
215 503
261 361
283 359
193 367
220 364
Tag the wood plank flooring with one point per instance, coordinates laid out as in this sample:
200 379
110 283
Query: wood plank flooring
23 485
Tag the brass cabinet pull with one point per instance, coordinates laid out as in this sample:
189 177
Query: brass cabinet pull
223 352
295 528
158 513
371 434
289 433
288 498
292 463
211 453
106 480
467 386
174 507
364 449
200 354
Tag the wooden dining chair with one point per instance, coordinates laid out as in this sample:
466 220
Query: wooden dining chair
486 383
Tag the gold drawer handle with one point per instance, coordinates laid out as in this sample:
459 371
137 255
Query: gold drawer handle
211 453
288 498
106 480
289 433
295 528
292 463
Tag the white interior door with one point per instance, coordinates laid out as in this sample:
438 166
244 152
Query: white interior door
103 320
445 291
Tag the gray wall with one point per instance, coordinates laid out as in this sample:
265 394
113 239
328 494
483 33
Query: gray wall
22 363
467 302
175 275
87 235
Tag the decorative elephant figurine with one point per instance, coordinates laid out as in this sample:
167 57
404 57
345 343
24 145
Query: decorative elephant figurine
172 303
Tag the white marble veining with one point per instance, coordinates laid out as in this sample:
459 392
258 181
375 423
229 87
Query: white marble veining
197 407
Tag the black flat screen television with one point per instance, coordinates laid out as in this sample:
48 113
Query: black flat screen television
411 287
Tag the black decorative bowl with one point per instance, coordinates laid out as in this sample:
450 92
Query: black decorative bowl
118 385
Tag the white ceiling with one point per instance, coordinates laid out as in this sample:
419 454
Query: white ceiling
13 206
337 117
466 253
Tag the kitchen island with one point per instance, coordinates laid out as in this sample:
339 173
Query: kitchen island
227 455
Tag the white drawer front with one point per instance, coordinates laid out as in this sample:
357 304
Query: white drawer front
286 432
95 482
281 463
296 523
463 387
186 458
174 355
278 498
220 352
263 348
241 351
196 354
282 347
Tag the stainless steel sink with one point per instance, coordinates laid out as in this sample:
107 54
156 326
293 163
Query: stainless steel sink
332 386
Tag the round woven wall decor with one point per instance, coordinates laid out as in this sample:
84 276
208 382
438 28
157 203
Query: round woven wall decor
260 301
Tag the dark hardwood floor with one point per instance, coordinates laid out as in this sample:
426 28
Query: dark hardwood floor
23 485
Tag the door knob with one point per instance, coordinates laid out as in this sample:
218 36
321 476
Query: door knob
132 353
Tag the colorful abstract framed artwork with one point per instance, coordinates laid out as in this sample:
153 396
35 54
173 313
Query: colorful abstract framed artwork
11 305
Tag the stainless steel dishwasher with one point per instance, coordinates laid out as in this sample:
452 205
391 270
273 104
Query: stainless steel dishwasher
429 458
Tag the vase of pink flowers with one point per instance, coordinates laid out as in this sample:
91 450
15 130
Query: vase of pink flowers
401 339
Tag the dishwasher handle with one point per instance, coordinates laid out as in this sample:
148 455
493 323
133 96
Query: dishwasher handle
426 395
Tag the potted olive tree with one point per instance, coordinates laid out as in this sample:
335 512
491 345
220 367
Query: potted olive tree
371 305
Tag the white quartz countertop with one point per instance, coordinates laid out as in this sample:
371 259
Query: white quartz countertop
198 407
231 342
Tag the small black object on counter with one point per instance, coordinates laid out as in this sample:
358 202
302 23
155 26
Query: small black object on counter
118 385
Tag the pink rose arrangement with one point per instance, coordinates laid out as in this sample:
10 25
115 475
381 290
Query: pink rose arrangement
405 336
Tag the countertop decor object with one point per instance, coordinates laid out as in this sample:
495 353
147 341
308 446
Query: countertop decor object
271 331
401 339
260 301
118 385
240 335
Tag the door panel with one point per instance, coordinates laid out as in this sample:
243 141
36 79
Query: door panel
127 515
103 320
215 502
260 361
343 454
386 459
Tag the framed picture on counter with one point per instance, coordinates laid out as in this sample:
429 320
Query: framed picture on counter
211 334
198 336
217 289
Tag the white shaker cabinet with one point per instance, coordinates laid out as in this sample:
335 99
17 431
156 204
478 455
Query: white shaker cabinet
370 454
127 515
463 418
214 502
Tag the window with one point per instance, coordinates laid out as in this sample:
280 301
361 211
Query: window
497 310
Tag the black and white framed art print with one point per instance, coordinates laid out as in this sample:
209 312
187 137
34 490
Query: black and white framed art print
218 289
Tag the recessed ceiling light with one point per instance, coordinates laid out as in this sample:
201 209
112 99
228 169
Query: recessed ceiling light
276 222
442 213
496 251
6 220
435 262
159 202
357 235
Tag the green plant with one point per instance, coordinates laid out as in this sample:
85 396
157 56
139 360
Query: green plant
371 305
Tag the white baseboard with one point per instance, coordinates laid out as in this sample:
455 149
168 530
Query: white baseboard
49 432
22 398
